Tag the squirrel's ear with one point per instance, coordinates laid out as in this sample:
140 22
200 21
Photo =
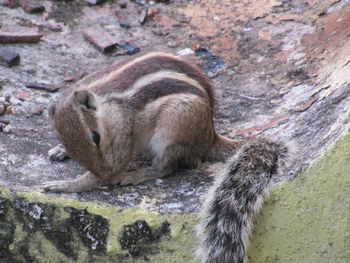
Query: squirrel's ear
85 98
52 110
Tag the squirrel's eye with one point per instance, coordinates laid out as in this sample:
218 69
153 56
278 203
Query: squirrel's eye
86 103
96 137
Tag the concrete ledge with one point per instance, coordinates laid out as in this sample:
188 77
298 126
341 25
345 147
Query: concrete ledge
308 220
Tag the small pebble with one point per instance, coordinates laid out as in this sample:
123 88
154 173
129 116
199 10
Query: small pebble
129 48
38 111
69 79
159 181
95 2
22 95
185 52
10 110
212 75
152 11
196 47
140 2
6 122
7 129
123 3
9 57
172 44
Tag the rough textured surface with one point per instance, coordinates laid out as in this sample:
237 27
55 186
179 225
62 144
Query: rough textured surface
306 220
38 229
279 68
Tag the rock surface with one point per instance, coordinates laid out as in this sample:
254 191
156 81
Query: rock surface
280 71
279 68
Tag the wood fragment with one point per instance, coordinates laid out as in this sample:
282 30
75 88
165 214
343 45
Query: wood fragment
69 79
43 86
19 37
101 39
143 16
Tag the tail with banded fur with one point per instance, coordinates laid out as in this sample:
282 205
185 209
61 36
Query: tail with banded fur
237 194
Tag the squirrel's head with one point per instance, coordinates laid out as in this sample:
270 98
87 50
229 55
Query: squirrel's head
82 131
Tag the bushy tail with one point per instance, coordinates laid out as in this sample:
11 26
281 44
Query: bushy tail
226 217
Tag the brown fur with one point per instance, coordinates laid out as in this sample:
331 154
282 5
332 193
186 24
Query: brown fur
163 88
160 61
157 104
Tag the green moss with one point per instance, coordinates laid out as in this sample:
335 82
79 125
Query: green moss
44 251
178 246
181 245
307 220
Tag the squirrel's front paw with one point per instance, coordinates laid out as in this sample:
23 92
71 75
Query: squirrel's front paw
58 153
55 186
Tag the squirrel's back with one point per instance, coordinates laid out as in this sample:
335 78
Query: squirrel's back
130 75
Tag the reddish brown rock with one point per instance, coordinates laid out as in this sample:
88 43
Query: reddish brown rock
101 39
38 111
69 79
20 36
22 95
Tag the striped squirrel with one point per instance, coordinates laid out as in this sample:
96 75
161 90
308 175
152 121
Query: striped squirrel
160 105
156 104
